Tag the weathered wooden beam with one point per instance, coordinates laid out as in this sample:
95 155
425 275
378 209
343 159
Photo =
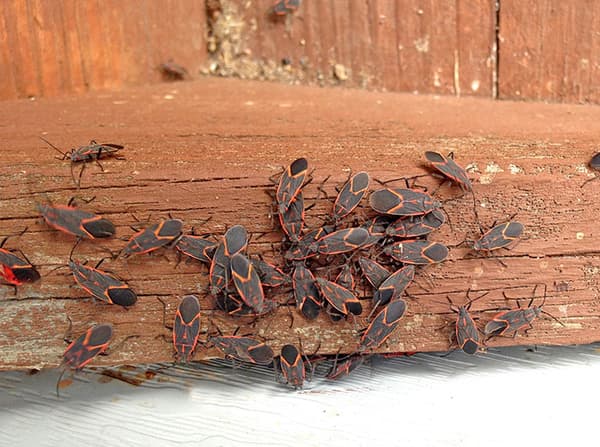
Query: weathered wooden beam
206 150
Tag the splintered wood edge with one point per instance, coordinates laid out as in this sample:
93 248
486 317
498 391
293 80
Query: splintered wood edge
511 175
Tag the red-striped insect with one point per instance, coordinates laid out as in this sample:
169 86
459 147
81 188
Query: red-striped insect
244 349
402 202
307 246
291 366
72 220
292 220
172 71
416 226
375 273
508 323
197 247
466 332
270 276
393 287
290 183
448 167
92 152
340 298
235 307
350 195
14 270
186 328
87 346
503 235
595 165
247 282
102 285
346 366
377 228
284 7
154 237
383 325
345 278
417 252
342 241
234 241
306 293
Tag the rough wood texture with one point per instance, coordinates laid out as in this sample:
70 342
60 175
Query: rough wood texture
407 45
549 50
208 149
51 48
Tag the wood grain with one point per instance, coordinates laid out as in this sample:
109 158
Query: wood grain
208 149
407 45
549 50
64 47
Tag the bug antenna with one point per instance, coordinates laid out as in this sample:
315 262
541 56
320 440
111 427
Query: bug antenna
553 317
53 147
59 379
73 249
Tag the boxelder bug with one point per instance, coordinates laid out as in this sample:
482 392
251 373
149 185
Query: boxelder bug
307 246
291 366
284 7
197 247
466 332
340 298
342 241
382 326
345 278
270 276
402 202
393 286
290 183
81 351
595 165
91 152
416 226
186 327
350 195
509 322
417 252
292 220
71 220
448 167
244 349
501 236
101 285
172 71
375 273
377 228
247 282
14 270
234 241
153 237
306 292
235 307
346 366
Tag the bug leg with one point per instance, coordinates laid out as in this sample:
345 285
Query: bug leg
595 177
110 350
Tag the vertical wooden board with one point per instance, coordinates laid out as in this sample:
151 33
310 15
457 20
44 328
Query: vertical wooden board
73 65
476 51
21 48
8 86
385 41
95 57
426 44
176 31
50 51
360 37
548 50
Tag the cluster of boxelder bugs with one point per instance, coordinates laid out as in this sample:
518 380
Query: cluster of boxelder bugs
388 245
